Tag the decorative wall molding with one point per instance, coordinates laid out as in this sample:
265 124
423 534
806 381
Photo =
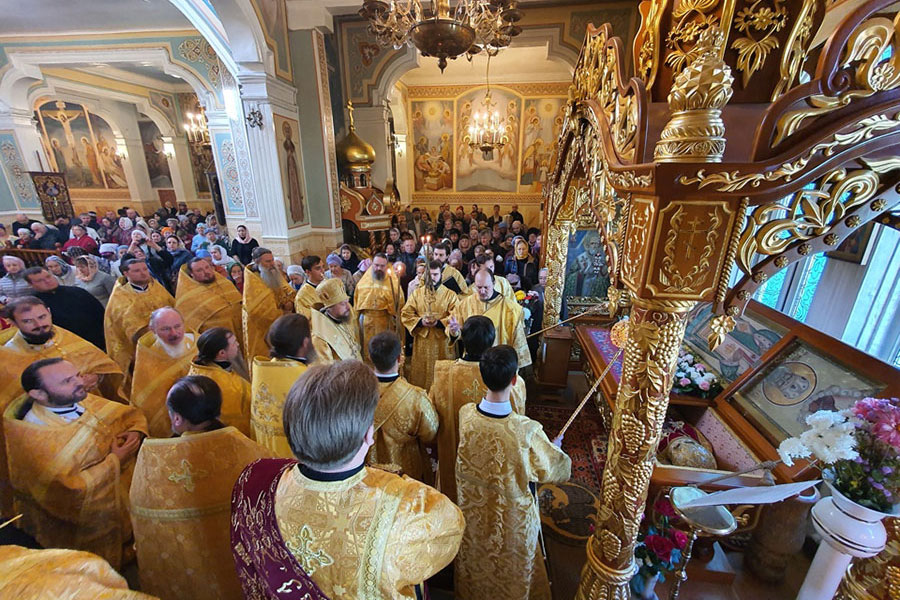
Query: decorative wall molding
550 88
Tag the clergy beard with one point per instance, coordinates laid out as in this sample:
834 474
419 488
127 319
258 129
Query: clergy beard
378 275
341 318
78 394
271 277
39 338
176 351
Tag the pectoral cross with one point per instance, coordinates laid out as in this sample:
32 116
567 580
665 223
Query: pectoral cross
694 230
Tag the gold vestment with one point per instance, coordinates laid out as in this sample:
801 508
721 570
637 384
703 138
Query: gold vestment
181 512
504 288
448 272
508 319
208 305
27 574
334 341
127 317
235 394
306 300
260 308
457 383
404 420
271 381
500 557
71 489
378 304
154 373
371 535
430 344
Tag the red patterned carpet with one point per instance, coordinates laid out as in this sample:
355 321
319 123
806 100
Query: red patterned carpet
585 441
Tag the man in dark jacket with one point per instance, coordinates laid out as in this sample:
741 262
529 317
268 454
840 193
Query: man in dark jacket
73 308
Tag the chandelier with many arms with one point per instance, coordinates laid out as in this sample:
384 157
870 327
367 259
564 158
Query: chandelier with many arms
473 26
486 131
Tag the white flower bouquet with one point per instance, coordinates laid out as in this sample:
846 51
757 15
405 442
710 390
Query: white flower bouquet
693 378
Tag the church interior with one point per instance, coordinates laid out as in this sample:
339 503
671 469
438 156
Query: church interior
683 216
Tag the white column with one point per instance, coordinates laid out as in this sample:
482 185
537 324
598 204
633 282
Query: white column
372 126
180 170
125 117
21 122
401 149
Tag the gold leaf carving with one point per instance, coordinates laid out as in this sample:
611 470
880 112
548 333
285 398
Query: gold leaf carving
610 543
720 326
632 432
759 23
670 275
646 335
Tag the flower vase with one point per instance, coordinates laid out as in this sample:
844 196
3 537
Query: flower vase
848 530
643 586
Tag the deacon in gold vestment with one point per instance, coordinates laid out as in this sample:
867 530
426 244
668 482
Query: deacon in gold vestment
307 300
291 350
219 358
36 338
500 455
181 498
507 315
405 418
356 531
335 328
70 458
425 315
457 383
378 299
27 574
206 299
452 279
163 357
127 317
266 297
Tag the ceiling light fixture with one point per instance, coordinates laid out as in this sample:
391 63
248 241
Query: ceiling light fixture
473 26
487 132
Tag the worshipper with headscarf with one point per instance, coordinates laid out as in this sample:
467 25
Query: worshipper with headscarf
336 270
199 238
242 245
45 237
220 259
349 259
522 263
13 284
296 276
236 275
89 277
60 269
123 235
180 256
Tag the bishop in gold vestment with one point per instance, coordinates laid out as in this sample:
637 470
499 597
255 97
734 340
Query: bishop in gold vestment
499 455
507 315
378 300
335 328
155 370
271 381
425 315
206 299
27 574
127 317
71 489
180 508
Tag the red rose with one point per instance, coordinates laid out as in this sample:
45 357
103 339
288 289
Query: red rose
664 507
680 538
660 546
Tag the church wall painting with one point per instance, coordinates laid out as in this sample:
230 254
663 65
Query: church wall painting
542 119
431 123
499 173
157 164
287 137
201 155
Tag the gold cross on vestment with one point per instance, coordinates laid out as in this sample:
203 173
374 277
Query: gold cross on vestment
473 392
186 476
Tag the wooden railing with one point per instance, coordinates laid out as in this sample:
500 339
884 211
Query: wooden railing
32 258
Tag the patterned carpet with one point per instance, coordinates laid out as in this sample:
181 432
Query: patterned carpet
585 441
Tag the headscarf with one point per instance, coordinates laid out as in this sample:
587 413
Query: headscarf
125 223
92 266
295 270
333 259
202 253
222 261
68 273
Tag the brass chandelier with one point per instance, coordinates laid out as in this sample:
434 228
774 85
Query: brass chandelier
486 131
473 26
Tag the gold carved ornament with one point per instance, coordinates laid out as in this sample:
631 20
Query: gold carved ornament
758 23
646 43
796 48
873 73
692 18
731 181
670 274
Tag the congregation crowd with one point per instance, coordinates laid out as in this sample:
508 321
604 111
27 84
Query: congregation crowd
153 361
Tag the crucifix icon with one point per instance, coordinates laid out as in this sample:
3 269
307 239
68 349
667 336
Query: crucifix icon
694 230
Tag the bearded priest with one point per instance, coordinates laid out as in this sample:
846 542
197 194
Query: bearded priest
506 314
425 315
378 299
206 299
163 357
266 297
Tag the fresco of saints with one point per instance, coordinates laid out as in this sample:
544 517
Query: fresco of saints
91 157
292 174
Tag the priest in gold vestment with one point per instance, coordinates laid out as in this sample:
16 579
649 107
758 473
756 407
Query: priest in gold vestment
127 317
34 338
27 574
507 315
405 419
163 357
335 328
425 315
501 454
180 498
452 279
307 300
219 358
330 526
206 299
378 300
71 460
266 297
501 284
457 383
272 378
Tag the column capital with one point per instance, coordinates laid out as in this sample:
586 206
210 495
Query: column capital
261 88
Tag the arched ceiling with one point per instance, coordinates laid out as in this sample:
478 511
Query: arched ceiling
506 67
93 16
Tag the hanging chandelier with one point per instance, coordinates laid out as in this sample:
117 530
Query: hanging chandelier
473 26
486 131
195 128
